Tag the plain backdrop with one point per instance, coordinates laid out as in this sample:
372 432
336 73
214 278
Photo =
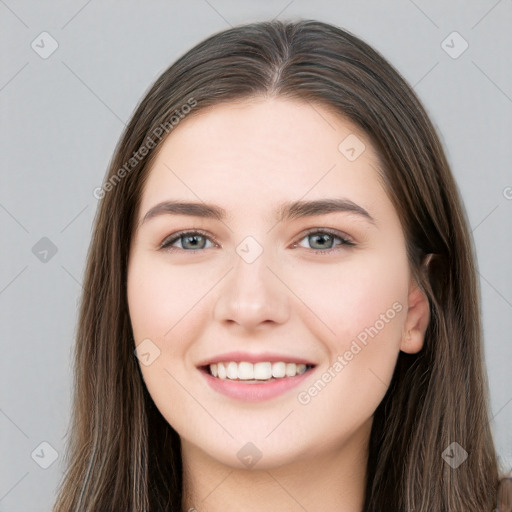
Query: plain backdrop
71 75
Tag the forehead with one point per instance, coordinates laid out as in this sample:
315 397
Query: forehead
256 153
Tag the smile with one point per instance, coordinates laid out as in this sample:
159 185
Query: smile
255 382
257 372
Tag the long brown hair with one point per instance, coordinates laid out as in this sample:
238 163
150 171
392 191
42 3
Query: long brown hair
121 453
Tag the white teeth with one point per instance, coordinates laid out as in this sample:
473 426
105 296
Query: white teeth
221 370
245 371
232 370
257 371
278 370
262 371
291 369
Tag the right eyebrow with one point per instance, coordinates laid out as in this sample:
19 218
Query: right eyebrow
290 210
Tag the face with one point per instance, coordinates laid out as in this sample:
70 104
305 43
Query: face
266 285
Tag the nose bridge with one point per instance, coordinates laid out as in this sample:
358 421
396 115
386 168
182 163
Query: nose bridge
251 293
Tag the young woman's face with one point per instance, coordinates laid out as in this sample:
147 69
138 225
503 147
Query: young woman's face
272 279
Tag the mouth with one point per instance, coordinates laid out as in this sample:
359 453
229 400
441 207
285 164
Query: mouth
250 377
255 373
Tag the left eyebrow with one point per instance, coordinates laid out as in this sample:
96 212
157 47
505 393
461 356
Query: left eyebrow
285 212
300 209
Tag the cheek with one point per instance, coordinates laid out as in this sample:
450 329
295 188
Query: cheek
377 304
344 300
160 297
364 304
366 309
164 304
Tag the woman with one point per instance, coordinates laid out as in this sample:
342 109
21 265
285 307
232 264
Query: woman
222 363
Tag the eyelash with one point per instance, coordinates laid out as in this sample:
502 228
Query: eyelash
166 244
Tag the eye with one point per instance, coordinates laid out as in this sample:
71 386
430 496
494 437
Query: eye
190 241
323 240
195 240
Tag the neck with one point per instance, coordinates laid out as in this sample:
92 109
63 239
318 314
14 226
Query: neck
330 481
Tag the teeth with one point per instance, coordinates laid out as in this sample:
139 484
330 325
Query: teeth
232 370
245 371
257 371
262 371
290 369
221 370
278 370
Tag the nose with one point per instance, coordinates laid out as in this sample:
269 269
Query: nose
252 295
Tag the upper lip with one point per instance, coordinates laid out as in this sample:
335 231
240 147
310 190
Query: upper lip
254 358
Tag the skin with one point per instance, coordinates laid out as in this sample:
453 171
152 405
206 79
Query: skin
248 157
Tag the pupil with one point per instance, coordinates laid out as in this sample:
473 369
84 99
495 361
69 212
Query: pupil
326 236
191 238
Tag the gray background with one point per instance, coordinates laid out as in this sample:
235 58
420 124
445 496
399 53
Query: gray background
62 115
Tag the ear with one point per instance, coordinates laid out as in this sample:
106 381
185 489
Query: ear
418 317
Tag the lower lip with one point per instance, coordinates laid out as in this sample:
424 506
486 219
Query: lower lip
254 392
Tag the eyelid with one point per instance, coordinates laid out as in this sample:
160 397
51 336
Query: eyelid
330 231
347 241
173 237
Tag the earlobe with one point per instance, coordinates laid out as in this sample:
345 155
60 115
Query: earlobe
417 320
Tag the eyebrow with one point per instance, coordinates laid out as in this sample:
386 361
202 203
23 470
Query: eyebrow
288 211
